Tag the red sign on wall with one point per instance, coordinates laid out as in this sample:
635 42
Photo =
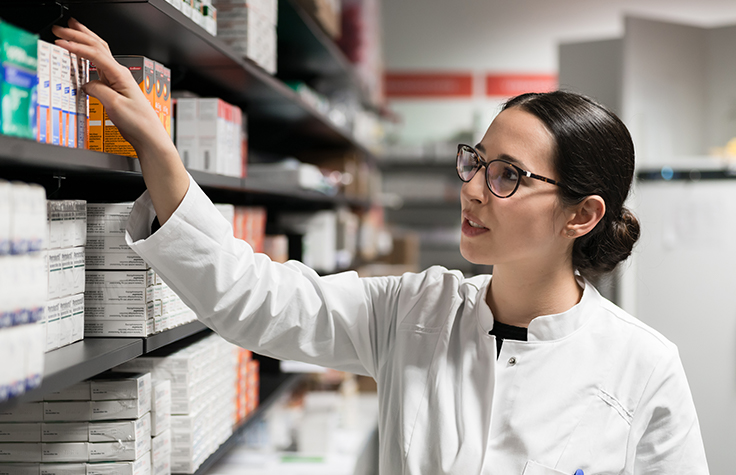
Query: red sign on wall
508 85
429 85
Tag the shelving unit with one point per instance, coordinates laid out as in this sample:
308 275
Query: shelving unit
279 122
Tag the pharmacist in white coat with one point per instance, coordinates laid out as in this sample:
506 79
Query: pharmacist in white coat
528 372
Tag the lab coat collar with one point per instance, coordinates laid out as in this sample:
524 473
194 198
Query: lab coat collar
546 327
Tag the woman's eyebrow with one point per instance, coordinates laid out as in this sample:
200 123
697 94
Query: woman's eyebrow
513 160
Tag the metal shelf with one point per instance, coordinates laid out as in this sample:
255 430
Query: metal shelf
159 340
278 118
272 387
79 361
99 173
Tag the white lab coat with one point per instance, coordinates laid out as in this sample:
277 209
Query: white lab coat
593 388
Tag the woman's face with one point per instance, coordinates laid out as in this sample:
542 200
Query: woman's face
527 227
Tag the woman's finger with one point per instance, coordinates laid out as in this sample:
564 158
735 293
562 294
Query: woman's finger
101 91
77 25
75 36
103 60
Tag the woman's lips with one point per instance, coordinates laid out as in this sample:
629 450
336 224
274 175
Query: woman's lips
470 230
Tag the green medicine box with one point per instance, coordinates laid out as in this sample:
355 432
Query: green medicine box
18 80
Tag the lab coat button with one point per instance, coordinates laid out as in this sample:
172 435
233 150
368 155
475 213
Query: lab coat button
512 361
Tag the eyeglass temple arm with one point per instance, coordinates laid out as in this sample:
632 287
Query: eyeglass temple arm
541 178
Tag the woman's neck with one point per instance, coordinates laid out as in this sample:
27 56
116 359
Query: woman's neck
517 297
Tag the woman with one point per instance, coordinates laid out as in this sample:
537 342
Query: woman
530 372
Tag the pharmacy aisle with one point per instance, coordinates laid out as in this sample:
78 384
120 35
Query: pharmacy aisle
309 432
75 302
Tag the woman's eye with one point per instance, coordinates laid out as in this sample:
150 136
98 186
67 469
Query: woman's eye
510 174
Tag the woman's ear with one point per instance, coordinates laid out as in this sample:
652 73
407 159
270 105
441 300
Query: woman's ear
585 217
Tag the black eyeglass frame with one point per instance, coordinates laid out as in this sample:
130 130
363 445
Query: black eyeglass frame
482 163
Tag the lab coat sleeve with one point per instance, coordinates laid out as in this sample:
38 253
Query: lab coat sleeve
286 311
671 443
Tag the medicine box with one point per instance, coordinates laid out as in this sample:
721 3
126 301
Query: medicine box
95 127
64 431
121 386
118 287
18 58
44 452
53 324
117 327
43 469
20 452
65 96
161 454
43 112
77 392
56 95
131 430
73 126
119 450
142 466
20 432
27 412
120 409
143 72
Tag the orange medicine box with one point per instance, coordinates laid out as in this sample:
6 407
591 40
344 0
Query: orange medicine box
143 72
96 116
162 101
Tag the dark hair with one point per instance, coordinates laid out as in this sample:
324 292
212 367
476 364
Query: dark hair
594 156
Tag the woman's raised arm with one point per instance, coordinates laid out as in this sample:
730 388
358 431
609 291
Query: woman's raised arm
165 176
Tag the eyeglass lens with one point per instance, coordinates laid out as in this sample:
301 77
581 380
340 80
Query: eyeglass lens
502 178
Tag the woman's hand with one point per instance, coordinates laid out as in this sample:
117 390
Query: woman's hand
116 89
165 176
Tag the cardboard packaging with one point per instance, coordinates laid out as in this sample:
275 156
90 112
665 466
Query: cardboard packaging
43 111
129 431
95 125
43 469
142 466
143 72
121 386
18 58
76 392
64 431
20 432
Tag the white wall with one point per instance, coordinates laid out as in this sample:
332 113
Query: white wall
509 37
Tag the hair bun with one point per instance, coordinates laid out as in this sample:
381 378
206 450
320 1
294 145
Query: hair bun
600 252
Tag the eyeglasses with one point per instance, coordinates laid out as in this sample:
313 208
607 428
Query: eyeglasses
502 177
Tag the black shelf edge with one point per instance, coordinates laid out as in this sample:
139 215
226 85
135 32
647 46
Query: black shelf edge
79 361
167 337
21 153
272 387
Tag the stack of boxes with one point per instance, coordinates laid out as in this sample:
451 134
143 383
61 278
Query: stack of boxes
246 399
204 382
23 286
124 296
67 236
211 136
154 79
62 112
200 11
161 428
18 60
249 26
96 427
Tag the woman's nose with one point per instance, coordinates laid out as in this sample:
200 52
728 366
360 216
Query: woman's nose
476 189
